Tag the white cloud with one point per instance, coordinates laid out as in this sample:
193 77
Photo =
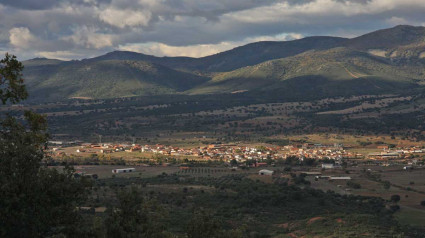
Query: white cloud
125 18
160 49
21 37
397 21
200 50
62 55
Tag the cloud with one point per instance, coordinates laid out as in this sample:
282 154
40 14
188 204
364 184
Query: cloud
125 18
21 37
200 50
186 27
62 55
89 37
48 4
397 21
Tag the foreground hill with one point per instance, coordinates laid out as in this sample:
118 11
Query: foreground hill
385 61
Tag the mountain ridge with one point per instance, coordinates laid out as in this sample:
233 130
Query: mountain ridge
390 55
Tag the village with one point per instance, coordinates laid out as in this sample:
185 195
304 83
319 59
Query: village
240 153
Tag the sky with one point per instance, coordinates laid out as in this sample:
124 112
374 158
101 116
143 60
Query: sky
76 29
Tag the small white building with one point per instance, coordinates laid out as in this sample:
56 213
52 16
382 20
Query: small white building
265 172
339 178
328 166
126 170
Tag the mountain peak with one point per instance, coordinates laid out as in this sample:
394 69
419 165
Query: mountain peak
122 55
389 38
41 61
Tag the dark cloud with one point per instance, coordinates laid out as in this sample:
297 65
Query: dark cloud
82 28
48 4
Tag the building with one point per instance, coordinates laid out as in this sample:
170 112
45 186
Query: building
126 170
384 155
328 166
339 178
265 172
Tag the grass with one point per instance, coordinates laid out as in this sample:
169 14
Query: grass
411 216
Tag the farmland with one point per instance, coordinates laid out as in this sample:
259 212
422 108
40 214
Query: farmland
199 184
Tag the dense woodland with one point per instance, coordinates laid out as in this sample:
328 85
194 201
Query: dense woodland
231 117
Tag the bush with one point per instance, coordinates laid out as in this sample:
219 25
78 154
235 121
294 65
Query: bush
387 185
353 185
394 208
395 198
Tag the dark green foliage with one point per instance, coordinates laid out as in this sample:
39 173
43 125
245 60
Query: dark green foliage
386 184
135 217
292 160
235 200
395 198
300 179
12 85
204 224
353 185
34 201
394 207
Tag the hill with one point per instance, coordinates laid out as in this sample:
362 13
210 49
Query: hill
384 61
330 72
399 43
106 79
41 62
238 57
258 52
389 38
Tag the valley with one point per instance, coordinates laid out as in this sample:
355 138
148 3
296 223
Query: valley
314 137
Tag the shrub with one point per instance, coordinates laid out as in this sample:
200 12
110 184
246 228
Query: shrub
395 198
353 185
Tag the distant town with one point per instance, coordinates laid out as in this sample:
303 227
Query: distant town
241 154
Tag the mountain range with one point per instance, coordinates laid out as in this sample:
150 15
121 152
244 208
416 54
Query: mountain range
385 61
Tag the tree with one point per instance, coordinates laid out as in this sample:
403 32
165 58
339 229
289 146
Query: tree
203 224
135 217
395 198
386 184
12 87
292 160
35 201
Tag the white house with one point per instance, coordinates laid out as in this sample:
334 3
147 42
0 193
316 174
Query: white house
126 170
265 172
339 178
328 166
